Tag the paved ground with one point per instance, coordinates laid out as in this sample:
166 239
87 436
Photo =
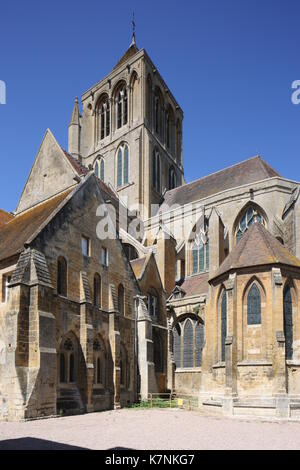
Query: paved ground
148 429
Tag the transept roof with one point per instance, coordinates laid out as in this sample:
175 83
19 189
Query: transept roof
248 171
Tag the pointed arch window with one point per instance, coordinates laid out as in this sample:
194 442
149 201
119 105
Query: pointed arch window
158 112
254 306
288 322
223 324
124 367
199 342
122 165
97 290
188 342
188 346
156 173
103 113
121 299
99 168
177 345
250 216
99 361
62 275
149 100
172 178
200 257
178 142
68 361
122 106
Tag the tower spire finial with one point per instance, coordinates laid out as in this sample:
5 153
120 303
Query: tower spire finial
133 29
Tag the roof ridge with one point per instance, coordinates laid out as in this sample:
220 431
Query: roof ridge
263 231
265 166
216 172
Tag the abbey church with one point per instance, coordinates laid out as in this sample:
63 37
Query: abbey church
121 280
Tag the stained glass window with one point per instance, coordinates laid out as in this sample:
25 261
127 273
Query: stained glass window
123 165
254 306
188 345
288 323
223 325
247 219
177 345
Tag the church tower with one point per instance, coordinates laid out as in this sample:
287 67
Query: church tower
130 132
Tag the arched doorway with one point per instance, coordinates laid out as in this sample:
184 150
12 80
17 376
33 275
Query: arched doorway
71 381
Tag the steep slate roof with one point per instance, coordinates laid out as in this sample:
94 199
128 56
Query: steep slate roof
18 231
131 51
249 171
5 217
195 285
80 169
257 247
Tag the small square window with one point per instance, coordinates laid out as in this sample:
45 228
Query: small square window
85 245
104 257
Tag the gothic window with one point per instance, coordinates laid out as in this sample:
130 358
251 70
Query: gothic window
199 343
170 129
122 165
124 367
99 361
254 306
67 361
200 257
156 175
149 100
71 368
135 97
99 168
178 142
130 251
153 303
177 345
103 112
172 178
188 345
288 322
62 366
121 299
97 290
158 351
122 106
223 325
250 216
62 276
158 112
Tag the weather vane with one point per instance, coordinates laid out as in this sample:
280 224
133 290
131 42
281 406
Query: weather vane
133 28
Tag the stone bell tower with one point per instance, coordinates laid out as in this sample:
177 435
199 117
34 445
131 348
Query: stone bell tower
130 131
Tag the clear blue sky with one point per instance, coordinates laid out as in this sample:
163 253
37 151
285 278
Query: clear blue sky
229 63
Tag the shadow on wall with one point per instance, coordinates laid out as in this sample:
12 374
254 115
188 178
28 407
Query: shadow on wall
31 443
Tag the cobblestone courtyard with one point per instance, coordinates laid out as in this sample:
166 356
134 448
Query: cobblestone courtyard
148 429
